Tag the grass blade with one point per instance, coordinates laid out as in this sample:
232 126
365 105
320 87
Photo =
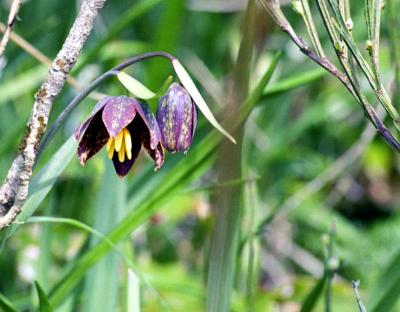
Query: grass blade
6 305
313 296
44 305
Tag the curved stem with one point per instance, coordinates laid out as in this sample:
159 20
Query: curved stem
85 92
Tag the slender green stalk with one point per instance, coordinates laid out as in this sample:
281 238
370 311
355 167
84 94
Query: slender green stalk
251 280
373 9
224 240
310 25
393 25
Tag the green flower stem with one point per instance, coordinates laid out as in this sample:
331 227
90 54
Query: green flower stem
310 25
393 7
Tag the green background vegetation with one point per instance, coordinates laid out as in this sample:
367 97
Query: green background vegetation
309 161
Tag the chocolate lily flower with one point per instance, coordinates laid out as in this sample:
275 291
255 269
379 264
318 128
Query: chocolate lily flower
177 118
124 125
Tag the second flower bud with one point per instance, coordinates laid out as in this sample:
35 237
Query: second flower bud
176 118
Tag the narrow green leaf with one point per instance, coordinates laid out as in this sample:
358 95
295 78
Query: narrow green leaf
295 81
313 296
164 87
6 305
188 83
44 304
135 87
385 292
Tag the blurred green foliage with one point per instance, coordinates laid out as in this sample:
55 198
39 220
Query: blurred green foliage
302 126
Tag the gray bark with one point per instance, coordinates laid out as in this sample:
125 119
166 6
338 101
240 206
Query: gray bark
14 190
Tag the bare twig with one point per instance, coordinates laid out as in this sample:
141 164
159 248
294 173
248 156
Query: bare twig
14 190
25 45
12 16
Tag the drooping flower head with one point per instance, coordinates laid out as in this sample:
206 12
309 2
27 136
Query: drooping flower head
123 124
177 118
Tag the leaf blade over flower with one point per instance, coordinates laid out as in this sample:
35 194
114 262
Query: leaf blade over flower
189 85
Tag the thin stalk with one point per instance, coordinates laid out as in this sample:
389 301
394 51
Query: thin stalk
310 25
373 9
251 278
393 26
225 237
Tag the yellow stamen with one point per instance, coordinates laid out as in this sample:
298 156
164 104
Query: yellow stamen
110 148
121 152
109 144
128 143
118 141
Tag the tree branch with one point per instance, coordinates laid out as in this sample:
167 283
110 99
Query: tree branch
14 190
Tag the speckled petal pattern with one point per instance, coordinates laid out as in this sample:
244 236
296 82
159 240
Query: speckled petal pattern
151 122
176 117
118 113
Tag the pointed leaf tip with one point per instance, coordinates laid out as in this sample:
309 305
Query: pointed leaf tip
135 87
188 83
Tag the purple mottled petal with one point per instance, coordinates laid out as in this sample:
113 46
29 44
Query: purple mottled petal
175 118
158 156
94 138
123 168
151 122
118 113
82 128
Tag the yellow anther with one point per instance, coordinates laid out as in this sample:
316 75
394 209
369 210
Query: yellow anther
118 140
121 153
110 144
110 148
128 143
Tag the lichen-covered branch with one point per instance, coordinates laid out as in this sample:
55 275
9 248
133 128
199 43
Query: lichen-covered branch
12 16
14 190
